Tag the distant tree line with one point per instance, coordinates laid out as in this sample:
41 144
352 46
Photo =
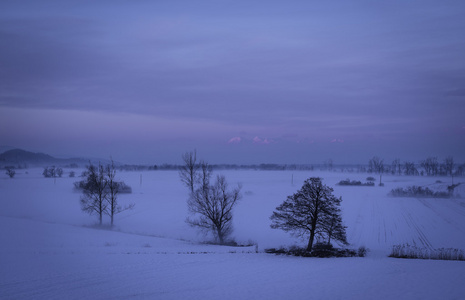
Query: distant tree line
431 166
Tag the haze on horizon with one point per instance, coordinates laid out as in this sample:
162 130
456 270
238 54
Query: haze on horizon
241 82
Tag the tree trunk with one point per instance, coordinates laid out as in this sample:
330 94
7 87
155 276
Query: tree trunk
220 236
310 241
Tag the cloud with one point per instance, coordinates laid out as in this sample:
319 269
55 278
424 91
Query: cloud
265 141
337 141
234 140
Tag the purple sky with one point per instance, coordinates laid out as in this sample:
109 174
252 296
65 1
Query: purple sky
242 82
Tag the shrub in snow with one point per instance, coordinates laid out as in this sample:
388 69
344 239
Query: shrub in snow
10 172
371 179
355 183
321 250
409 251
362 251
417 191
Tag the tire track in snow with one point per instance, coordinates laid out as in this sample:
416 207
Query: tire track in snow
447 217
420 234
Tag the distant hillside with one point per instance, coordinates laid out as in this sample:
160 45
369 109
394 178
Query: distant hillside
23 158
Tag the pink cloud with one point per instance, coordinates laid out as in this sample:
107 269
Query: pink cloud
337 141
257 140
234 140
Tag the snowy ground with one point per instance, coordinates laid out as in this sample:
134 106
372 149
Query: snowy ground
49 249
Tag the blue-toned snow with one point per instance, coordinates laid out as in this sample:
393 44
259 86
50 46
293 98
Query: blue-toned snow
49 249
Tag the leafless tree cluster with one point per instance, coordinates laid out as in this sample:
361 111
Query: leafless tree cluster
52 172
312 211
211 205
100 192
430 165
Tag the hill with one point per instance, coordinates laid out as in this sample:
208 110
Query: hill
23 158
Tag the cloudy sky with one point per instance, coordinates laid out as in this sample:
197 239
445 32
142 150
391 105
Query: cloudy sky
240 81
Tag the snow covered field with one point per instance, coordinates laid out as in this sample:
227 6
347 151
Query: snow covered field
50 249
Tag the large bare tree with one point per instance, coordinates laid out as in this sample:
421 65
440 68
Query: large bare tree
95 191
312 211
212 205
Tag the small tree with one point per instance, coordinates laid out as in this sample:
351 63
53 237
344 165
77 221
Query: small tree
376 165
188 171
51 172
431 166
409 168
213 206
396 167
312 211
449 166
10 172
113 188
95 192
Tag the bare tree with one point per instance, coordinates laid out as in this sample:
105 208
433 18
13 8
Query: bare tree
212 206
206 173
95 192
313 211
333 227
449 166
409 168
113 188
188 171
431 166
328 164
376 165
396 167
49 172
10 172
